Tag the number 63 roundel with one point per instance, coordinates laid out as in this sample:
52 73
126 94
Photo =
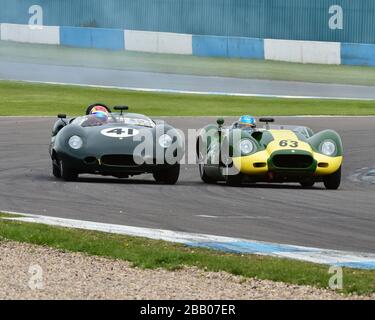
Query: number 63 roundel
288 143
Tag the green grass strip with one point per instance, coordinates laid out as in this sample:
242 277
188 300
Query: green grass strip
146 253
9 215
26 99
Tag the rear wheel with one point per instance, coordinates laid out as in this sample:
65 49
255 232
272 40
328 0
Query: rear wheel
333 181
67 173
168 176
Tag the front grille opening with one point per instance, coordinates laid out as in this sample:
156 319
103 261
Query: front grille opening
90 160
259 164
292 161
118 160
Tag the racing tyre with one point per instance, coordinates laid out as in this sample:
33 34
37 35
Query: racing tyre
332 182
307 184
67 173
205 178
168 176
201 159
233 180
56 169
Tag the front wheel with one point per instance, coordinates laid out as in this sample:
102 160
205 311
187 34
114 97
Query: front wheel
202 173
333 181
233 179
168 176
67 173
56 169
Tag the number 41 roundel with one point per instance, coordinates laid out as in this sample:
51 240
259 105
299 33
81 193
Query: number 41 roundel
119 132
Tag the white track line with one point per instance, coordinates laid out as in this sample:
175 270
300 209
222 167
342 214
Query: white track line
190 92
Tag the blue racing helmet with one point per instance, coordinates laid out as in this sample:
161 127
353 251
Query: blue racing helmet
247 121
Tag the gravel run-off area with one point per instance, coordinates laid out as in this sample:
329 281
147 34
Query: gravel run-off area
35 272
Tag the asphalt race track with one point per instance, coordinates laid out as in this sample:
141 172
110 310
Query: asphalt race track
164 81
343 219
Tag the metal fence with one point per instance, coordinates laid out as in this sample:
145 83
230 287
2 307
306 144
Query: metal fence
322 20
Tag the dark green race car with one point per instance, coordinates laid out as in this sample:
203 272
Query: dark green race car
274 153
124 145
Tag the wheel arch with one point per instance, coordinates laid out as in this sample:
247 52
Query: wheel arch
316 140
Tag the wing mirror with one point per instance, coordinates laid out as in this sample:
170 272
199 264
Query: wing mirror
62 118
220 122
121 108
267 121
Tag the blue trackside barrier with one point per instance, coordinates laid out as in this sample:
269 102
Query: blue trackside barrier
358 54
210 46
201 45
230 47
92 38
108 39
75 37
249 48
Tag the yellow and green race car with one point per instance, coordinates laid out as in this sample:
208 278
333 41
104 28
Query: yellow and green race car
274 154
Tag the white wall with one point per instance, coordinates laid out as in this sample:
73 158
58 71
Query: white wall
302 51
26 33
158 42
141 41
282 50
175 43
163 42
321 52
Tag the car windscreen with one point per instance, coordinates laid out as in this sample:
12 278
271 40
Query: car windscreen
132 120
115 119
297 129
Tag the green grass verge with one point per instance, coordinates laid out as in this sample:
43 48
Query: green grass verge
9 215
19 98
166 63
146 253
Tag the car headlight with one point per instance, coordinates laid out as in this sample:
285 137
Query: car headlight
328 148
165 141
246 146
75 142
